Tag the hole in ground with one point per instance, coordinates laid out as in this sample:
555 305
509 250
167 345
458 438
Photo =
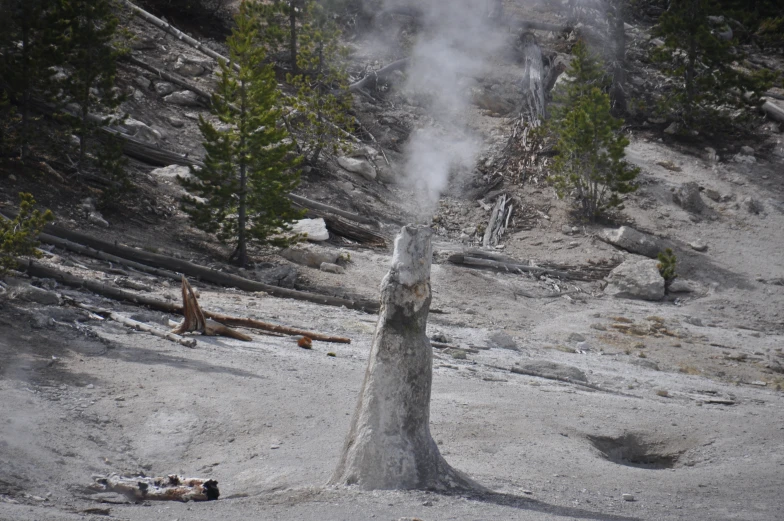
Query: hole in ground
637 450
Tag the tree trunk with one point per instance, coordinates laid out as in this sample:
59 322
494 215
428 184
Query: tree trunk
617 93
532 85
242 250
389 445
293 34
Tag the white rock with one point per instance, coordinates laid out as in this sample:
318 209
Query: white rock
358 166
628 497
315 229
171 172
332 268
97 219
184 98
141 130
698 246
636 278
187 67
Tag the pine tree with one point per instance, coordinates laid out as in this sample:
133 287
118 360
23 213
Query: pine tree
240 194
24 65
695 52
18 235
88 46
590 145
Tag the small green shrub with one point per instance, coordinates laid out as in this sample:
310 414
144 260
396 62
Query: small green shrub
666 267
18 235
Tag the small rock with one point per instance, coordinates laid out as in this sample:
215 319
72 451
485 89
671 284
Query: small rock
744 159
142 82
711 155
642 362
90 386
188 67
440 337
12 178
314 229
673 129
183 98
459 354
175 122
553 370
747 150
599 327
628 497
566 229
753 206
698 246
97 219
576 337
309 257
633 241
141 130
688 197
712 194
332 268
164 88
583 346
503 340
358 166
680 286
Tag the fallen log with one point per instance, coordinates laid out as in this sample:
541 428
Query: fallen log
773 111
169 29
314 205
38 270
171 78
342 227
170 488
139 326
374 76
206 274
508 267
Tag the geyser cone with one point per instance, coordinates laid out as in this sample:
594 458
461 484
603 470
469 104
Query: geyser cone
389 445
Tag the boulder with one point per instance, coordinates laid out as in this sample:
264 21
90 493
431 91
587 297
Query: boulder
503 340
328 267
688 197
314 229
164 88
358 166
629 239
636 279
171 172
183 98
309 257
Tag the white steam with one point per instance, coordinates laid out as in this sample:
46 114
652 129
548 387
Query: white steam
455 44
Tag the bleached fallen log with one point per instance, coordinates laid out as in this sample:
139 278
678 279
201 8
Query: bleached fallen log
169 29
373 76
140 326
170 488
38 270
773 111
507 267
171 78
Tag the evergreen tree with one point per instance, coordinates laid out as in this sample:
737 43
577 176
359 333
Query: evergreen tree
590 145
24 65
88 46
18 235
240 194
696 52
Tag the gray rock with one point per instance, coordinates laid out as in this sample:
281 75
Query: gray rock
547 369
680 286
441 337
631 240
358 166
744 159
97 219
566 229
747 150
688 197
712 194
142 82
141 130
175 122
503 340
164 88
315 230
25 292
636 279
283 275
188 67
309 257
628 497
332 268
576 337
711 155
642 362
183 98
698 246
172 172
387 174
673 129
753 206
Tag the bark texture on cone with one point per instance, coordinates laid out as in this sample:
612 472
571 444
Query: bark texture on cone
389 445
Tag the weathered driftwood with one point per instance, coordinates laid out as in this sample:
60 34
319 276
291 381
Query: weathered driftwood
195 321
372 77
170 488
499 222
207 274
389 445
459 258
171 78
139 326
38 270
167 28
314 205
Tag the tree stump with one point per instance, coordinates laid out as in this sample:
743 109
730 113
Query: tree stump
389 445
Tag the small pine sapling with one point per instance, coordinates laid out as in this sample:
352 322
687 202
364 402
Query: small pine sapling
18 236
666 267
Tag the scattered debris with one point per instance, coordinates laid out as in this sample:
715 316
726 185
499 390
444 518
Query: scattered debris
170 488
